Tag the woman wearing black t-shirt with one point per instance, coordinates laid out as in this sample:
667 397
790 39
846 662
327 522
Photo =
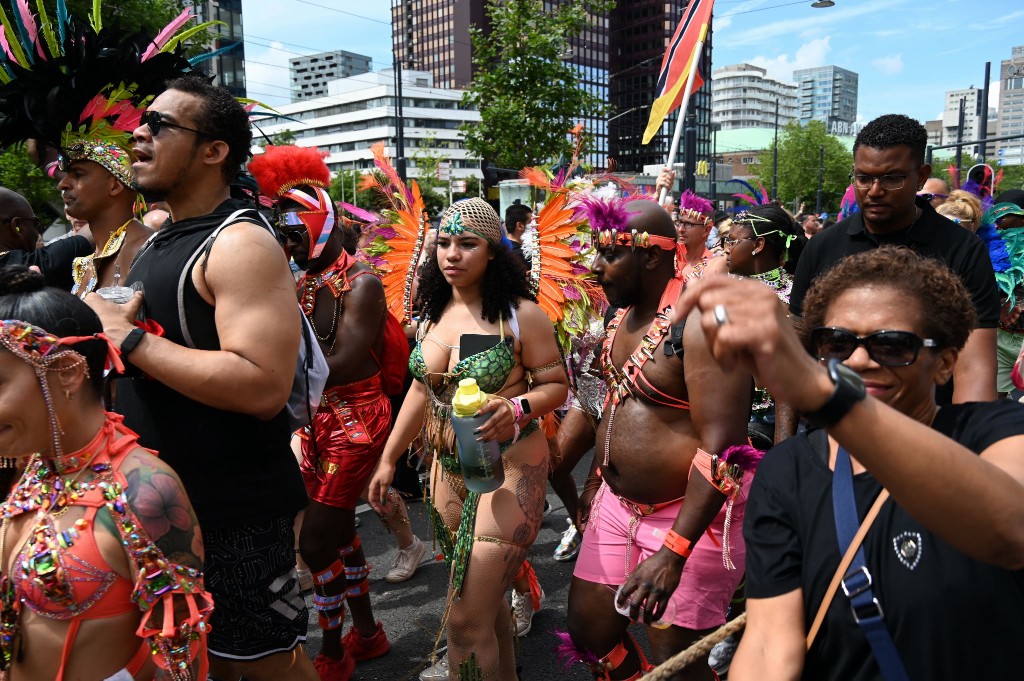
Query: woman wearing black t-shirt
946 550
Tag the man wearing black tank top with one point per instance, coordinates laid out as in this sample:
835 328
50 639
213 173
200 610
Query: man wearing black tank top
210 379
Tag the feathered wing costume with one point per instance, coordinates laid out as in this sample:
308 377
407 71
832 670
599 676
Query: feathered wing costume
80 87
397 242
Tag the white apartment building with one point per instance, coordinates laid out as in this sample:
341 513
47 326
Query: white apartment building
743 96
310 73
1011 108
359 111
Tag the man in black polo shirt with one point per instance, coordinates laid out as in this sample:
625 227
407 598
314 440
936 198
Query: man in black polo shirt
888 171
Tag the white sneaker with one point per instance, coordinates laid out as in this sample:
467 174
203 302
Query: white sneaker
522 610
406 562
569 547
437 672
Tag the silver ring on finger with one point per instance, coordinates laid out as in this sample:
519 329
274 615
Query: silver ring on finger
720 315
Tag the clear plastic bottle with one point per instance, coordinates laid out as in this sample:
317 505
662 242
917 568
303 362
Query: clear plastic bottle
482 469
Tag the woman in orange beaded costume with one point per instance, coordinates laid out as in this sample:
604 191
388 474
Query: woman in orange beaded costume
99 547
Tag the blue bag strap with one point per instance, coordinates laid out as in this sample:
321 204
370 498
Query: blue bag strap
857 583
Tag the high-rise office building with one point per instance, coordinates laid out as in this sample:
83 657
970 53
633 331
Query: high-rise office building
618 58
1011 108
974 109
743 96
827 94
311 73
228 69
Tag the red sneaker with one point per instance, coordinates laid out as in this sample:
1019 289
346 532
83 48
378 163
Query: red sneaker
334 669
361 648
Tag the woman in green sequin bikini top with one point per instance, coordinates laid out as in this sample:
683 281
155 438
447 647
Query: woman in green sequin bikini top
471 284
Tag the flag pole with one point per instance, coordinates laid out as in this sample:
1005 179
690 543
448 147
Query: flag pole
674 149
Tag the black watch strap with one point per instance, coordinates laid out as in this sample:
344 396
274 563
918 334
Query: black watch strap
131 341
848 391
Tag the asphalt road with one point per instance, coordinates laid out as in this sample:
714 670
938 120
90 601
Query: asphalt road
411 611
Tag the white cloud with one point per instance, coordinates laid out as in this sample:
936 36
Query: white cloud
890 64
809 54
819 20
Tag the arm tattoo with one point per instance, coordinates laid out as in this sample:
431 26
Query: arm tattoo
159 501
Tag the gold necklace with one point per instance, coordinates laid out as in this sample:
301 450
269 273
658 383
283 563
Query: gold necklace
80 266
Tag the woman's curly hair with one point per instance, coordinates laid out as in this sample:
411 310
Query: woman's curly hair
504 285
947 312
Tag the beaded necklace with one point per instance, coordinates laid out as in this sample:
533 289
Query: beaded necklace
336 281
86 265
777 280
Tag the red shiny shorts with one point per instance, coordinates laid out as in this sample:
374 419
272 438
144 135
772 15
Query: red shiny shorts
348 435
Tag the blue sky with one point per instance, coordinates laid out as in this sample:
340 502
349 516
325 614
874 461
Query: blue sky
908 52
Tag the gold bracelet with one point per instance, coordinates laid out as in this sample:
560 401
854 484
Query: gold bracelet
508 403
549 365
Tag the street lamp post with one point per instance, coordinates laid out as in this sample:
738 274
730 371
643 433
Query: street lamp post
821 178
775 155
399 121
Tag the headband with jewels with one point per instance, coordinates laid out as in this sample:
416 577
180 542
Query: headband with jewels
80 87
609 222
762 226
695 208
472 215
299 174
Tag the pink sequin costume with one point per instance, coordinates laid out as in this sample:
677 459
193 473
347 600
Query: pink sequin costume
60 573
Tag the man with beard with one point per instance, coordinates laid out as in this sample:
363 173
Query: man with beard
670 407
213 378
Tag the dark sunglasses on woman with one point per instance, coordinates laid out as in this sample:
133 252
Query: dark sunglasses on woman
888 348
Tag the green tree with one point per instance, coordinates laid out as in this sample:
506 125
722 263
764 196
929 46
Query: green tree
145 16
472 189
428 161
283 138
799 157
19 174
342 187
528 95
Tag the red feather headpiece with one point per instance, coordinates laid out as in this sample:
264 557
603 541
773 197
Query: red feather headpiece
278 169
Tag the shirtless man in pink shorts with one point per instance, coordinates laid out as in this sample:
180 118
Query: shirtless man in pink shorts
670 407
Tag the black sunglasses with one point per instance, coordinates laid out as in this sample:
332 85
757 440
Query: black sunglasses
293 236
154 120
888 348
928 197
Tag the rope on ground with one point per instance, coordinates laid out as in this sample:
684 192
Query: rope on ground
697 651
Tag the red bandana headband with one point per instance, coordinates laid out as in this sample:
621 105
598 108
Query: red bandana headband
633 239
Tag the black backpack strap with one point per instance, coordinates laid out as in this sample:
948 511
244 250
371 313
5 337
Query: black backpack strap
204 250
674 340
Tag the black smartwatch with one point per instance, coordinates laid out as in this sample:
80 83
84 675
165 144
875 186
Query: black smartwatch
849 391
131 341
525 405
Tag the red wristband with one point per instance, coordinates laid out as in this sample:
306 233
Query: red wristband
678 545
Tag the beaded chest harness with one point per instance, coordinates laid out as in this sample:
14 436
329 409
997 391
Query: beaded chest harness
43 489
335 280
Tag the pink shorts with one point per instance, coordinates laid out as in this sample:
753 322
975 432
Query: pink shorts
607 555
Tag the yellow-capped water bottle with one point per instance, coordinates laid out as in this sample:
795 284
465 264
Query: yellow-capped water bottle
482 469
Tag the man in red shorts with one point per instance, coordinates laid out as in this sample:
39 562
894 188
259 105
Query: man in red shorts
342 446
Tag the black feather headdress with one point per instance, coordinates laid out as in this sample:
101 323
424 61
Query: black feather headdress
80 87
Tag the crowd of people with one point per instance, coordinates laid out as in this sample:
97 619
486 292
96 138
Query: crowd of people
805 426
